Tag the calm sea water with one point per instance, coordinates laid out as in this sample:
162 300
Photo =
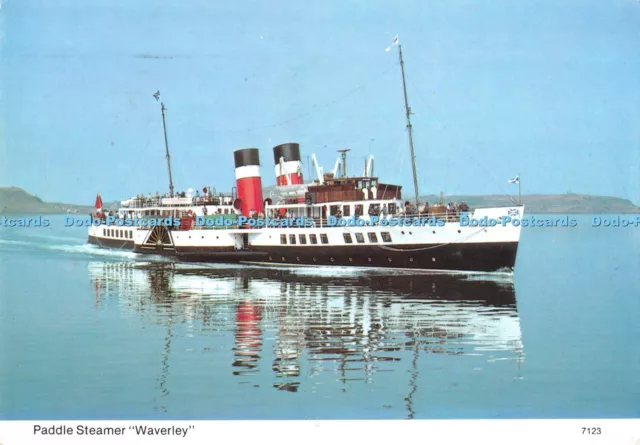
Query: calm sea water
96 334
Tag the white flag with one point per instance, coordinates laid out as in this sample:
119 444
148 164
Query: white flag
515 180
395 42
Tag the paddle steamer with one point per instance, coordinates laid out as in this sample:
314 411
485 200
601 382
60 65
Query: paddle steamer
434 238
427 238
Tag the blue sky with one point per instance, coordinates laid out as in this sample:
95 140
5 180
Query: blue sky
545 88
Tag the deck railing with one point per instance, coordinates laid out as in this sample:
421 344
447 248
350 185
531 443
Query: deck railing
145 203
319 222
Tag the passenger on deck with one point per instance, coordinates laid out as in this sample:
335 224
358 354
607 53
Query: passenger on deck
409 209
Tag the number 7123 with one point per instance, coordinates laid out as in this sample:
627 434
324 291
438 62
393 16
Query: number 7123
591 431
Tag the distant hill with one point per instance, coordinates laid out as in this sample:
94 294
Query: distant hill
566 203
17 200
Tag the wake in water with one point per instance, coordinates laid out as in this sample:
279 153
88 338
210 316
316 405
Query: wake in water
77 249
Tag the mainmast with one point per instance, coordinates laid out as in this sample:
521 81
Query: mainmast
408 112
166 142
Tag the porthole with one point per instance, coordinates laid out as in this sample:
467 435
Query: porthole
350 259
332 259
202 237
459 231
282 258
298 258
389 259
314 259
434 232
410 233
402 232
433 259
369 259
270 258
189 237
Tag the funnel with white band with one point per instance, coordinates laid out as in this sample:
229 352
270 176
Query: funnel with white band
248 180
287 163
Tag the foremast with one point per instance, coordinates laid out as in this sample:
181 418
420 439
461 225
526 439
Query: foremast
166 141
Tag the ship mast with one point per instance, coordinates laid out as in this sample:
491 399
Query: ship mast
409 128
166 146
166 141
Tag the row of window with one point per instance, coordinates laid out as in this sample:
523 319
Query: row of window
177 213
117 233
345 210
313 239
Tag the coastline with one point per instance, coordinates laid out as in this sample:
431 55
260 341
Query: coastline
14 200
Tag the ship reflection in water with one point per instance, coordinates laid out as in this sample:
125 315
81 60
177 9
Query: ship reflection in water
297 324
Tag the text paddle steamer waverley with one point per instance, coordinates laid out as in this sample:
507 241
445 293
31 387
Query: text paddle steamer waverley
304 228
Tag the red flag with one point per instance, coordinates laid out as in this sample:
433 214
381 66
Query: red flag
98 202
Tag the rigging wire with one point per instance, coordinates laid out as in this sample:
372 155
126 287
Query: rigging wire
313 108
310 111
136 165
457 134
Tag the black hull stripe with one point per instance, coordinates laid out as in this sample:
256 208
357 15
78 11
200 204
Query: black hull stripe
481 257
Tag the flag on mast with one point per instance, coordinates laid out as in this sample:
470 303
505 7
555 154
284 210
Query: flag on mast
515 180
157 95
395 42
98 201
